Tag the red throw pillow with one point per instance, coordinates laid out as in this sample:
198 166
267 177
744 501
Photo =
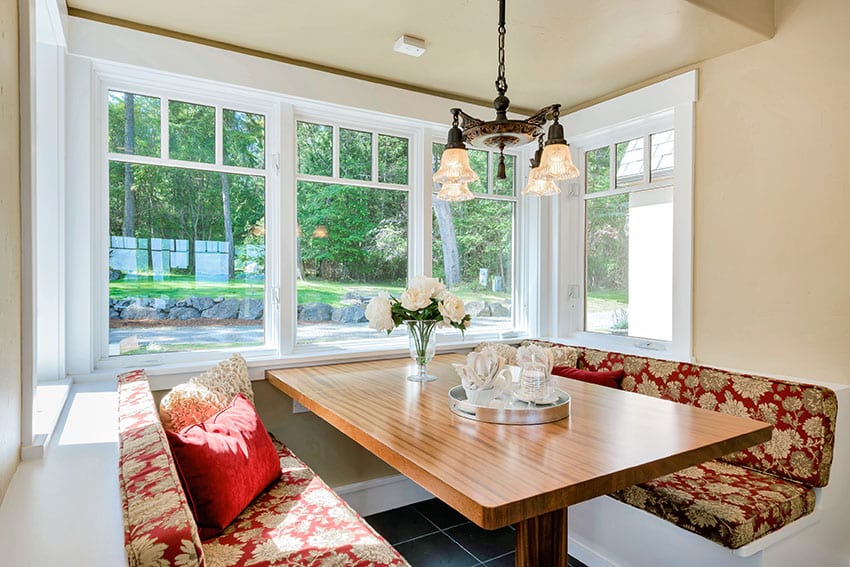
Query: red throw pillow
611 379
224 463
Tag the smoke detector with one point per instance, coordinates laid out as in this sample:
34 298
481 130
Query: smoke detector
409 45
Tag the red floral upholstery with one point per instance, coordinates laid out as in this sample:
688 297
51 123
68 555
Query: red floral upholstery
158 525
731 504
803 415
297 521
725 503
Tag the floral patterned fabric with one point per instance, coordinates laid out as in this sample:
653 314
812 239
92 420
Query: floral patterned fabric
725 503
299 521
188 404
159 529
803 415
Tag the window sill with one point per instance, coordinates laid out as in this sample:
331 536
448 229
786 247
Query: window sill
166 375
627 345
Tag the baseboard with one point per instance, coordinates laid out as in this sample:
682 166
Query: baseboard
382 494
587 555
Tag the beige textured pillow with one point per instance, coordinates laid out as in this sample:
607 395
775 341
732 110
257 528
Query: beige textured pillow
228 377
561 355
188 404
206 394
507 352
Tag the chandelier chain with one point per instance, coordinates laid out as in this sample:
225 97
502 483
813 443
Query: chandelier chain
501 82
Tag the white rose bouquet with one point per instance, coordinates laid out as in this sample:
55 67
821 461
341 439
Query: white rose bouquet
422 306
427 299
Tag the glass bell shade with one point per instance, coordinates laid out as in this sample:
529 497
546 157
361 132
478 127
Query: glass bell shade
540 185
556 162
455 192
454 168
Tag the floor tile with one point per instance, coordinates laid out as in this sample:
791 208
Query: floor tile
508 560
435 550
443 515
401 524
484 544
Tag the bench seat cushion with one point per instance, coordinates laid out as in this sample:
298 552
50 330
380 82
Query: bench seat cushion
299 521
725 503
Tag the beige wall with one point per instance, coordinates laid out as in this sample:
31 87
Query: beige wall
10 248
772 199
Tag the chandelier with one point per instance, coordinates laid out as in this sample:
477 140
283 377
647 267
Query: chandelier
552 161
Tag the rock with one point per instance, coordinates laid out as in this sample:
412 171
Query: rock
353 294
183 313
199 303
315 312
227 309
251 309
163 304
219 299
498 310
136 312
349 314
113 314
115 275
474 308
124 303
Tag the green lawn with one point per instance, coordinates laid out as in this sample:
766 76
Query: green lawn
181 287
607 300
309 291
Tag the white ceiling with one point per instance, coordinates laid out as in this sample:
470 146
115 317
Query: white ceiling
566 51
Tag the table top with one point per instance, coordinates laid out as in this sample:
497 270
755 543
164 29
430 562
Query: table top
497 475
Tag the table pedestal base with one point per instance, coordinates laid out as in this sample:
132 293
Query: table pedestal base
542 541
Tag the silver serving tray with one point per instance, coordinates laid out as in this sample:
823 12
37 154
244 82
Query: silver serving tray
510 411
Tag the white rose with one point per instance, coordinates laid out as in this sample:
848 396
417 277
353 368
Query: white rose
379 313
432 286
451 307
415 298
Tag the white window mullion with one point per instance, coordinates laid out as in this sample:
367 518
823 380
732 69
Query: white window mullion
163 128
335 151
375 156
219 135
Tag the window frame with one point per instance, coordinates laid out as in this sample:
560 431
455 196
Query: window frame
663 106
520 238
90 326
166 88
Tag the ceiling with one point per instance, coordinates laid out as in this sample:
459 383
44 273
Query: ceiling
565 51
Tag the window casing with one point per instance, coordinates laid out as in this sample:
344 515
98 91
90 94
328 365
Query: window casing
625 263
283 180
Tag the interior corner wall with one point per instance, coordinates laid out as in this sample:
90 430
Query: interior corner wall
771 199
10 248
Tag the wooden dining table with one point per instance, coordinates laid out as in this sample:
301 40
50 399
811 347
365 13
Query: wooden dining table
525 475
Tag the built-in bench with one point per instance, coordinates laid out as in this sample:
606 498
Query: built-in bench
744 501
298 520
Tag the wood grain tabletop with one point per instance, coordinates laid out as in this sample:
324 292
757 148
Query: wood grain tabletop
498 475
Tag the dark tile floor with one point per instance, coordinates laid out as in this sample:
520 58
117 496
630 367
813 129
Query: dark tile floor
430 533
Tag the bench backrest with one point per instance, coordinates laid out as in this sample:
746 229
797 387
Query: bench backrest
803 415
159 528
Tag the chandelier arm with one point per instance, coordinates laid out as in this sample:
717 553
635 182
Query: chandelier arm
540 117
468 121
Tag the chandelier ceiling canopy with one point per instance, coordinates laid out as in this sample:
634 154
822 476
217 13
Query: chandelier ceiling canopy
551 163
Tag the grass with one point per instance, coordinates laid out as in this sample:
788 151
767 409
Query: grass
181 287
607 300
309 291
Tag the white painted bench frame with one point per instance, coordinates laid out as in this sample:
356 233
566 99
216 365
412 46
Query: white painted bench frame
608 533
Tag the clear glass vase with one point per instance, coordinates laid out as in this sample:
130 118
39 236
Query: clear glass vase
422 347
